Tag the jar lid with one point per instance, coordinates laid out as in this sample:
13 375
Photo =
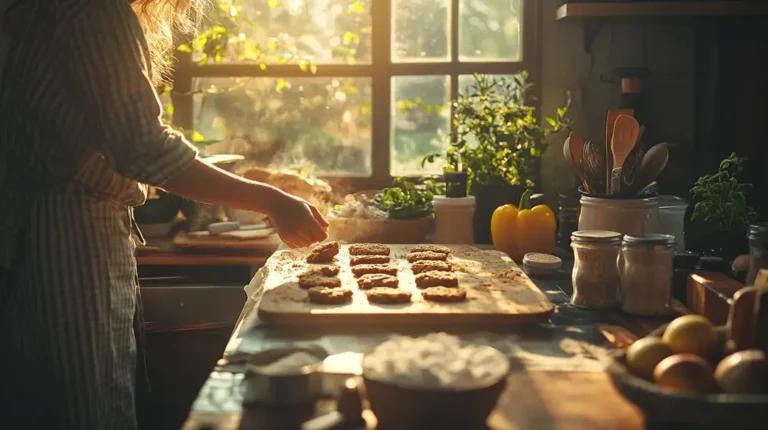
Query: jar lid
758 230
601 236
542 261
650 239
443 201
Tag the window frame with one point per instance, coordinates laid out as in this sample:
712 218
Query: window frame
381 70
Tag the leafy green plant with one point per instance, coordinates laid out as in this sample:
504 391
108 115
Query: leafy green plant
722 201
407 199
496 138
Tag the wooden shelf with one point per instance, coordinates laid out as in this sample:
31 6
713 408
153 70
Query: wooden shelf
662 9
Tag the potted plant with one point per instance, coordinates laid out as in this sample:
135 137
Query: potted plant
401 213
497 139
721 215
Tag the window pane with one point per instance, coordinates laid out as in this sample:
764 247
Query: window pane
287 32
465 89
319 123
490 30
420 30
466 81
419 122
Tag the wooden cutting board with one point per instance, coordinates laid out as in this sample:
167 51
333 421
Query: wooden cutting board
246 240
498 293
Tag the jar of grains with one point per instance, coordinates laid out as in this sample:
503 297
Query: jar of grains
595 276
647 268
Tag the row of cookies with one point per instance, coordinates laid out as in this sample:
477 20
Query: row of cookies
367 261
434 274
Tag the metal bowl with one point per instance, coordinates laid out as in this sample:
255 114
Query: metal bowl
287 388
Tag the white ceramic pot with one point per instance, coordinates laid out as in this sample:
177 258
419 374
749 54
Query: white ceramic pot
672 219
636 217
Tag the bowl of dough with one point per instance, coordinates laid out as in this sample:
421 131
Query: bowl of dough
433 382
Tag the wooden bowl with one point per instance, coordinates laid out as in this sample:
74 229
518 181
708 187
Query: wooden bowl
665 406
398 407
360 230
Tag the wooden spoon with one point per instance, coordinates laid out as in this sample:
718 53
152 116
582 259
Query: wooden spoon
610 122
573 151
654 161
625 133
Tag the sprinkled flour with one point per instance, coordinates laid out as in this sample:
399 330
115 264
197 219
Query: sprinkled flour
292 363
434 361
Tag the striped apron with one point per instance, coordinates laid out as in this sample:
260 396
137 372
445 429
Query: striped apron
68 300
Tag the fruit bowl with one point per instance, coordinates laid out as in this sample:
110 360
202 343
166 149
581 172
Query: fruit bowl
666 406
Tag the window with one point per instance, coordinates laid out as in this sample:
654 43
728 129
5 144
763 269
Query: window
358 89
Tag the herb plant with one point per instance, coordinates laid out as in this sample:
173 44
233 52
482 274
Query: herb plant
496 137
407 199
722 201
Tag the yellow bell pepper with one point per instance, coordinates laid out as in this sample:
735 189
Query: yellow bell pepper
522 229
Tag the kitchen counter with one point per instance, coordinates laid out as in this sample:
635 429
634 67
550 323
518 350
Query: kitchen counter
557 381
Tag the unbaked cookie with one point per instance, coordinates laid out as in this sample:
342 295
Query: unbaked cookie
429 266
356 260
444 294
386 295
431 248
437 279
364 269
319 281
329 296
426 256
368 249
373 280
324 252
330 270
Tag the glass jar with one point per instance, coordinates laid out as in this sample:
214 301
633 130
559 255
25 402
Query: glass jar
758 250
567 219
647 268
672 219
595 276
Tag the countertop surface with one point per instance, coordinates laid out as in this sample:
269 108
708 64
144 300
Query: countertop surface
557 381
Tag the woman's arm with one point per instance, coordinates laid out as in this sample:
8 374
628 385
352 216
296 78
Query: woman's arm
114 105
298 222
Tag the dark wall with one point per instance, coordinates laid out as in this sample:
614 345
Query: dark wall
733 106
707 98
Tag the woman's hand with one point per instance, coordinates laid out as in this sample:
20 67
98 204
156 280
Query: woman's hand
297 222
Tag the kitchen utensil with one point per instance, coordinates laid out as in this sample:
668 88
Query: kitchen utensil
284 388
624 138
594 165
630 166
610 122
654 161
497 298
573 151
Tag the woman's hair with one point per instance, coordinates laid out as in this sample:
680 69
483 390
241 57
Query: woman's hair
158 19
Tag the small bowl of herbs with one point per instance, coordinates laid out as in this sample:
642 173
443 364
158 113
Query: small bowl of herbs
401 213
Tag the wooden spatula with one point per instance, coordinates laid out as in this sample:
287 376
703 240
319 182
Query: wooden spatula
625 133
610 122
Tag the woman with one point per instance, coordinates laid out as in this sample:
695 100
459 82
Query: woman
81 134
